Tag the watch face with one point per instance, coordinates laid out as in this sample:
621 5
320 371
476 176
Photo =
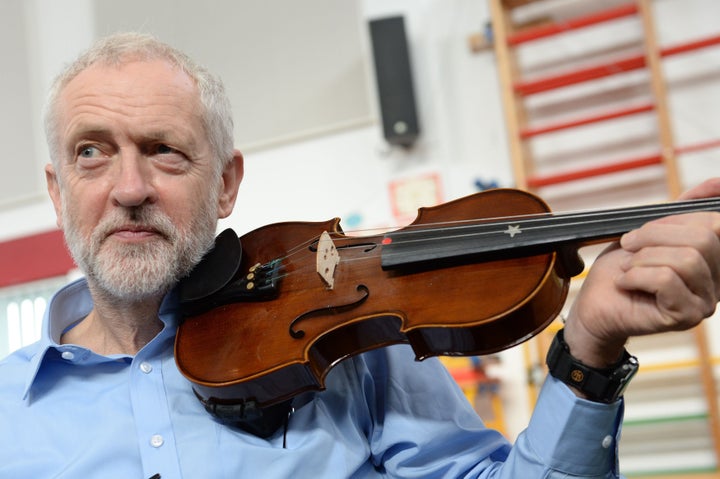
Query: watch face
623 375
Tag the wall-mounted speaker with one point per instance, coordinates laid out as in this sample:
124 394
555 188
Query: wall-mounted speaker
394 81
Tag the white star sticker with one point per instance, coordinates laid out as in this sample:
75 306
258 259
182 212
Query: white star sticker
513 230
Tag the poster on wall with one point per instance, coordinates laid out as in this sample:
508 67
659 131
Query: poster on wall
409 194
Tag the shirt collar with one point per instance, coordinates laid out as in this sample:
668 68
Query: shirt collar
71 304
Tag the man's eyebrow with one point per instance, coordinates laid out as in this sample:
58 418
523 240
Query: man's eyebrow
94 131
80 131
175 139
156 135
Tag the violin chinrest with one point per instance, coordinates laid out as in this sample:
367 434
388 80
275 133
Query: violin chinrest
217 268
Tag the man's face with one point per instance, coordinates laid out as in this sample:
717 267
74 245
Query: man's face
136 190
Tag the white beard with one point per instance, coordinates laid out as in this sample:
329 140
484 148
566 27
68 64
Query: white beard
138 271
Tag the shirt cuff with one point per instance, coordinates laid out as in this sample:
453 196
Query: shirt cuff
574 435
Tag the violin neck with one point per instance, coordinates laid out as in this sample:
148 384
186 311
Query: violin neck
524 235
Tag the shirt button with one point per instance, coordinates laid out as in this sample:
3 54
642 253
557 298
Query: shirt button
69 355
607 441
156 440
145 367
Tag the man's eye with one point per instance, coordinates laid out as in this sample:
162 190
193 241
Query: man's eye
164 149
88 152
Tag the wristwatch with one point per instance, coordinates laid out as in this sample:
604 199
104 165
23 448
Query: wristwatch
601 385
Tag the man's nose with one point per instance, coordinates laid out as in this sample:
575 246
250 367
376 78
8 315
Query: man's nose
133 183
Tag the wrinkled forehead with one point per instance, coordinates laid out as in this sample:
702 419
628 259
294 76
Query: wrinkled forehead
142 90
135 78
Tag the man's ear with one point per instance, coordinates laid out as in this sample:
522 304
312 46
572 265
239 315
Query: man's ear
232 175
53 188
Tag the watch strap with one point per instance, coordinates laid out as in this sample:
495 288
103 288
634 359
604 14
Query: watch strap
597 384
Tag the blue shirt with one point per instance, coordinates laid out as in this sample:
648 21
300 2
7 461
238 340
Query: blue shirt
66 412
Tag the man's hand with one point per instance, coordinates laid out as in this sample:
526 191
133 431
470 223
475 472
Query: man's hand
664 276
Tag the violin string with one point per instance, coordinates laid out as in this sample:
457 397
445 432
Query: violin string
300 248
551 220
287 260
532 217
531 221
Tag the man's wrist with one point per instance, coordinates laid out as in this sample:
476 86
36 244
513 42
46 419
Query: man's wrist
590 350
597 384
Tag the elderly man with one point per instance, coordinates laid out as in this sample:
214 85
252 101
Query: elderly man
142 168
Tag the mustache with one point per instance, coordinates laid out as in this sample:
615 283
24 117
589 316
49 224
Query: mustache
138 218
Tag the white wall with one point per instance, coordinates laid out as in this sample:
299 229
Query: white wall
461 121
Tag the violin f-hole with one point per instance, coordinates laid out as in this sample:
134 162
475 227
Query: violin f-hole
328 311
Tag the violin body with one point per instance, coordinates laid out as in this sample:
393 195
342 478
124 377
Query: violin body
269 350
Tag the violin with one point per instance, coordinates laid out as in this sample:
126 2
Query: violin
267 315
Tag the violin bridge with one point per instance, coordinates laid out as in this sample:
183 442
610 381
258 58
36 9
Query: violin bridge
327 259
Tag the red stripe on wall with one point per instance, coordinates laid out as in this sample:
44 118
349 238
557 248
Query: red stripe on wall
34 257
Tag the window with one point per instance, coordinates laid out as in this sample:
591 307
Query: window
21 312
